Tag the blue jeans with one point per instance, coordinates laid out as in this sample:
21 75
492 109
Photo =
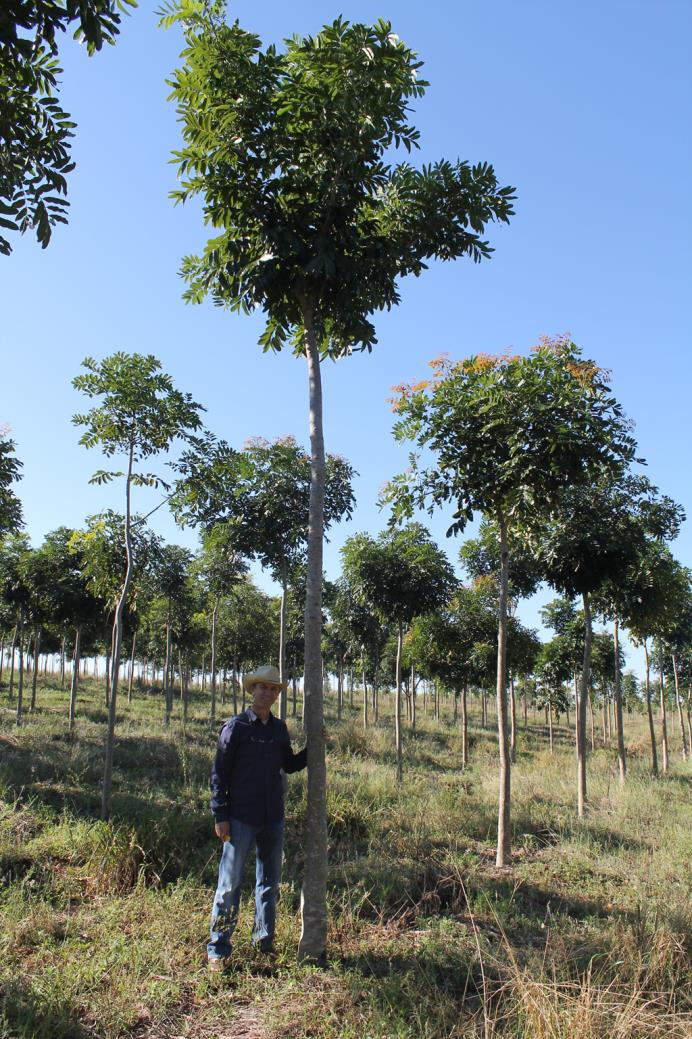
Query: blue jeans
224 913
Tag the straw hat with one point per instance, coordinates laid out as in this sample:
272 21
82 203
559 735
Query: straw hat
268 674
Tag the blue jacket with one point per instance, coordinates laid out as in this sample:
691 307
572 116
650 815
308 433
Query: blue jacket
246 774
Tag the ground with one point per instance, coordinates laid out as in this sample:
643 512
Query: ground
587 934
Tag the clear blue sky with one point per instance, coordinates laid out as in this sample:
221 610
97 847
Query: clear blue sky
586 109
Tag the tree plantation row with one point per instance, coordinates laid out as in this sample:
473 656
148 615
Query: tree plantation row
502 434
314 224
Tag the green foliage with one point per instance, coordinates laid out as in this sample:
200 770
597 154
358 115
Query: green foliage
263 491
288 151
401 574
100 550
35 131
10 506
140 412
509 434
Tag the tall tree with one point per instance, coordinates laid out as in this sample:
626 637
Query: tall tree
401 574
35 132
140 414
508 434
10 506
264 490
289 151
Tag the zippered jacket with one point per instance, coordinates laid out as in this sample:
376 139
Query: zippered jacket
246 782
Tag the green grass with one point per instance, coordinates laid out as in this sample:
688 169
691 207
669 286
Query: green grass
102 927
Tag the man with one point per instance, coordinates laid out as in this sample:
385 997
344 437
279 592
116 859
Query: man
247 801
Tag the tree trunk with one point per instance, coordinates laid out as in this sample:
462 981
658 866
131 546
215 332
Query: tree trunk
664 720
20 680
622 760
413 699
583 697
12 652
503 818
464 727
689 717
131 676
183 686
282 639
397 702
34 677
74 683
214 622
513 720
526 706
115 649
313 898
365 689
550 726
649 711
168 674
593 725
678 701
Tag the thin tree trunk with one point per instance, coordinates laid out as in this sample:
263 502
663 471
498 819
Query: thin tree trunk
526 706
12 652
583 697
593 725
664 720
397 703
183 686
313 898
649 711
20 680
74 683
550 726
622 759
678 701
365 689
464 727
413 698
131 676
282 639
115 650
689 717
513 721
34 677
62 662
168 674
504 803
214 622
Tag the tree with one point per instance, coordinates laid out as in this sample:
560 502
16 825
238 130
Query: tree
402 575
140 415
587 545
15 591
265 490
34 130
10 506
288 150
508 435
220 567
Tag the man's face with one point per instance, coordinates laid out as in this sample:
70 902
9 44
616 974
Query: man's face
264 695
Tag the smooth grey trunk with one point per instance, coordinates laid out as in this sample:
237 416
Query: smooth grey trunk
34 677
62 662
20 680
413 698
513 720
313 898
464 727
74 683
12 652
649 711
115 649
526 706
214 623
397 702
678 701
504 799
583 697
365 688
689 717
131 676
282 640
664 719
622 759
549 710
168 673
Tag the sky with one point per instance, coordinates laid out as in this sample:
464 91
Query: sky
585 109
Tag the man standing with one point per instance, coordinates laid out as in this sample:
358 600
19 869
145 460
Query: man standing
247 801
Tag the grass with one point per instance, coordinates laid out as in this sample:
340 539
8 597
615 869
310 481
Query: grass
103 926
